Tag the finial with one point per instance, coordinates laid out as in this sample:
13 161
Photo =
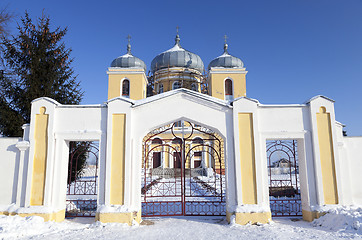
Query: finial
129 44
225 44
177 39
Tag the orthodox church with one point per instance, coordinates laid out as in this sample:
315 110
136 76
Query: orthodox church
181 142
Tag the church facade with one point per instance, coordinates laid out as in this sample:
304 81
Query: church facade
197 146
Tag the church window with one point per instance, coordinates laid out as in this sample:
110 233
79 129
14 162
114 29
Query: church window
194 87
125 88
176 141
160 88
197 141
228 89
176 85
156 141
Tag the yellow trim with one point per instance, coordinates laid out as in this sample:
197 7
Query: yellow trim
118 159
124 217
40 157
55 216
252 218
327 157
309 216
247 158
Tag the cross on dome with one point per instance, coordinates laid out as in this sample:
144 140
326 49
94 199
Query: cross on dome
177 39
129 44
225 44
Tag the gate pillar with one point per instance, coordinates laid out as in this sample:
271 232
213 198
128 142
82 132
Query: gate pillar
36 195
251 198
328 174
117 205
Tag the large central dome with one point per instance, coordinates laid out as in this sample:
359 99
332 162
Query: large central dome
177 57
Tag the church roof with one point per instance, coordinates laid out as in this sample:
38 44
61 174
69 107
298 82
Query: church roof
226 60
177 57
128 61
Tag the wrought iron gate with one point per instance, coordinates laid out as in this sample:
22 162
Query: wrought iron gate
183 172
81 200
283 171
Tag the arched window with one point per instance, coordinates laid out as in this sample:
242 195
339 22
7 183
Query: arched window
228 89
156 141
176 85
194 87
197 141
160 88
176 141
125 88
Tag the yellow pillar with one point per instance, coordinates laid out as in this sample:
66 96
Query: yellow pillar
118 159
40 157
247 158
327 157
167 157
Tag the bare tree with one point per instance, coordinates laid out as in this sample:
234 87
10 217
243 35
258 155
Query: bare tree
5 18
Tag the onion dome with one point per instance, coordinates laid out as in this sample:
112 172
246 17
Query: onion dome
128 60
177 57
226 60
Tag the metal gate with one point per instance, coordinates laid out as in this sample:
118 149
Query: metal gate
81 199
283 171
183 172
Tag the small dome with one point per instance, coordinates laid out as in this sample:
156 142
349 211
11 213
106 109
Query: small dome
128 61
226 61
177 57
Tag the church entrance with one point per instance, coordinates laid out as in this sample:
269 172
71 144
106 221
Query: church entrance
183 171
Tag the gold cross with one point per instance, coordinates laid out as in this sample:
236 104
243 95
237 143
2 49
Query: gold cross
225 38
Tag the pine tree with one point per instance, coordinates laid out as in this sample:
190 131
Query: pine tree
37 64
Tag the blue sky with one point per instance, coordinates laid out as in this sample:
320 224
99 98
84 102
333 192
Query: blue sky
292 49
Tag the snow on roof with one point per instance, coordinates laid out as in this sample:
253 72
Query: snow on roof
175 48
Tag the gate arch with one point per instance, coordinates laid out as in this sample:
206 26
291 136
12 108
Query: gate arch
190 179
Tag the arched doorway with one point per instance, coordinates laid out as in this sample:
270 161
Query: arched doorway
190 179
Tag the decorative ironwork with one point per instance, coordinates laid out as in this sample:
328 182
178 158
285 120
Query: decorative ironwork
283 171
190 179
81 200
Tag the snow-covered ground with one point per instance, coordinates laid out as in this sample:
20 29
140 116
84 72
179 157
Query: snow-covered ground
342 223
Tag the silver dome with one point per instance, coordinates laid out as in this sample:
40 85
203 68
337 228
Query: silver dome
177 57
128 61
226 61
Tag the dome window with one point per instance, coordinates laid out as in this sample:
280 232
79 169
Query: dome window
160 88
194 87
125 88
176 85
228 89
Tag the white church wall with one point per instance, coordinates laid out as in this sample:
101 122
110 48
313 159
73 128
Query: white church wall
8 171
344 166
80 118
353 146
282 118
